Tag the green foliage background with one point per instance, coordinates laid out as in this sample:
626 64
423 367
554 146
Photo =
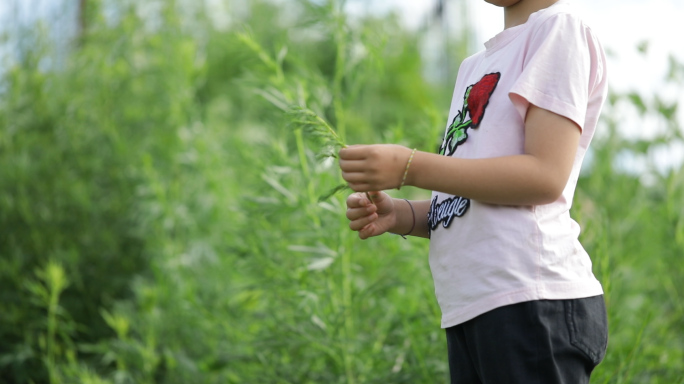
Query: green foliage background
160 217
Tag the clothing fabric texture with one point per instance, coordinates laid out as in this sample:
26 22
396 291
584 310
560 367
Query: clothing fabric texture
485 256
534 342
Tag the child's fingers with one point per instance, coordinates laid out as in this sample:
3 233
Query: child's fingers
363 222
357 213
353 152
362 187
362 213
357 200
352 165
367 231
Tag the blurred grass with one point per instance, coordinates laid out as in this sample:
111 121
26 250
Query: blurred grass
160 217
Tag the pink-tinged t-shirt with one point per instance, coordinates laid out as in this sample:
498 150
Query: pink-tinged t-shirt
485 256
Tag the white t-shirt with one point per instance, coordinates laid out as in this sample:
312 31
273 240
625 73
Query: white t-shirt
485 256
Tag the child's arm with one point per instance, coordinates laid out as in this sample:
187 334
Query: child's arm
386 214
536 177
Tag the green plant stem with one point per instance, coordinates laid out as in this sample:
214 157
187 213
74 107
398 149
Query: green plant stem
340 65
313 200
51 330
55 282
338 106
347 305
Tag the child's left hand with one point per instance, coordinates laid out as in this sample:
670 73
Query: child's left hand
374 167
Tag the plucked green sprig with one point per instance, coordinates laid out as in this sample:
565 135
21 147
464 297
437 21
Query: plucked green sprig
315 126
299 116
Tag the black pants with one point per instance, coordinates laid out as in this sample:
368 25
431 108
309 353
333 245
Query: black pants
535 342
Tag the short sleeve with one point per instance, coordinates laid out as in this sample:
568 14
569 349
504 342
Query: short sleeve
561 67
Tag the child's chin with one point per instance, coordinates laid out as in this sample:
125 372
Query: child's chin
503 3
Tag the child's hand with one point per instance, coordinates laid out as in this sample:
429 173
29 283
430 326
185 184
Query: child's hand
370 218
373 167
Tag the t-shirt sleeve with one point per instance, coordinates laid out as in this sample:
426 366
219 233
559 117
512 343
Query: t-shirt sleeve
563 64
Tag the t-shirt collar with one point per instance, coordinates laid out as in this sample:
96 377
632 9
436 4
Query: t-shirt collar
505 36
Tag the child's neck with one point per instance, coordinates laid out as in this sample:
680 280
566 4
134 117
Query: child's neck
519 12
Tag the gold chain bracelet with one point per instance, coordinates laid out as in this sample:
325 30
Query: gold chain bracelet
408 164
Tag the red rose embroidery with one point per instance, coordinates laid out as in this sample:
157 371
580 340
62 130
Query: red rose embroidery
479 97
475 101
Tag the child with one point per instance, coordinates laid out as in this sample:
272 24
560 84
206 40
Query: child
518 298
